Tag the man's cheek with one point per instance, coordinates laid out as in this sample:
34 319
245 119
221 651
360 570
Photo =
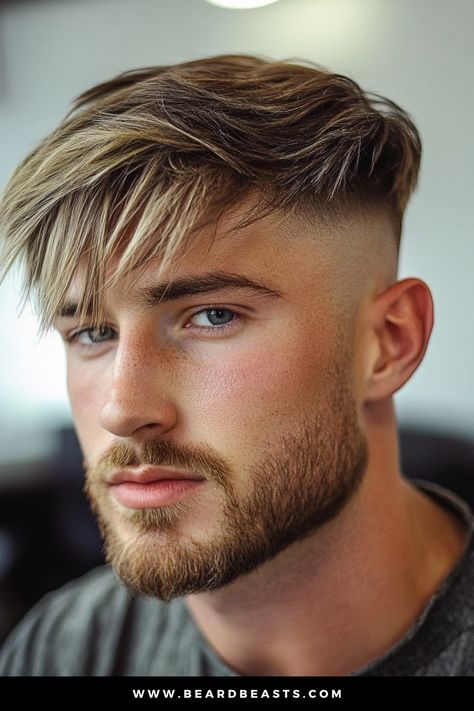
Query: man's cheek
252 390
84 397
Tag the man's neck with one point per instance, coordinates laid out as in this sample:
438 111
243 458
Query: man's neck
341 598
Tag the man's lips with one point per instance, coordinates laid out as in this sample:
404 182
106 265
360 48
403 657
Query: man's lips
151 487
145 475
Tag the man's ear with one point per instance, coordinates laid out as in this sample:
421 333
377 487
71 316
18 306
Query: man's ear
401 322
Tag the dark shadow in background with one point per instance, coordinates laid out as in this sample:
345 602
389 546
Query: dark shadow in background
48 535
47 532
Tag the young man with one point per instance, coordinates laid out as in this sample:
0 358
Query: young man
217 244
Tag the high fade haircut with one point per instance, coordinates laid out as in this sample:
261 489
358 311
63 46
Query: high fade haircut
159 153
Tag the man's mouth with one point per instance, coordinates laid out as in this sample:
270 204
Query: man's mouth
151 487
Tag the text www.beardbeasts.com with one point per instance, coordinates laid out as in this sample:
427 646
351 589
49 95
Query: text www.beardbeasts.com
183 694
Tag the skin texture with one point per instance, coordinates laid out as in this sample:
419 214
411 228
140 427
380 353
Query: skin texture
323 359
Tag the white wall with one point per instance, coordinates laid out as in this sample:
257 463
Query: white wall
417 52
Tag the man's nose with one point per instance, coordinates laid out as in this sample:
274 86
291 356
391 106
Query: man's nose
138 400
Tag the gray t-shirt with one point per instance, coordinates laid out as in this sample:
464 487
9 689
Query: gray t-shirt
93 627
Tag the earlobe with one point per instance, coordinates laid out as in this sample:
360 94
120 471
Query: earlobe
402 320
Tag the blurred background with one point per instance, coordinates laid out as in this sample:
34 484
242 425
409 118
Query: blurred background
419 53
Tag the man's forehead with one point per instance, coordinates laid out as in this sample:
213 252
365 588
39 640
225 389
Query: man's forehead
276 252
228 250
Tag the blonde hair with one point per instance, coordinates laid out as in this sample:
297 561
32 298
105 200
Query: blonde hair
158 153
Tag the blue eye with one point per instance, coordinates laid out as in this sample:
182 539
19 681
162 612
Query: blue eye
95 335
220 318
216 315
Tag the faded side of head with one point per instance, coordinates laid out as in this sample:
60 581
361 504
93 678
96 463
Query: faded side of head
144 161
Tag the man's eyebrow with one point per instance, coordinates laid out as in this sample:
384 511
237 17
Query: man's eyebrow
183 287
201 284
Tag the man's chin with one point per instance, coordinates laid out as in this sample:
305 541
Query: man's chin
163 564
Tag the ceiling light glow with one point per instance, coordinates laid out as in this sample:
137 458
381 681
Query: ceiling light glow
241 4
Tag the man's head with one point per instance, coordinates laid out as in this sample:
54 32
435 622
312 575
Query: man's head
226 232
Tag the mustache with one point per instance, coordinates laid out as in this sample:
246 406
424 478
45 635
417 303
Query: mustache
158 452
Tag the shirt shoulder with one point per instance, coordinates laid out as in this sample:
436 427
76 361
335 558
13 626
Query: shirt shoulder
93 627
59 635
457 658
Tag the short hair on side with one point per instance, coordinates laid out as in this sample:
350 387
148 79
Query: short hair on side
160 152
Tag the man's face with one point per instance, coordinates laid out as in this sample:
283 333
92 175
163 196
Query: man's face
252 394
